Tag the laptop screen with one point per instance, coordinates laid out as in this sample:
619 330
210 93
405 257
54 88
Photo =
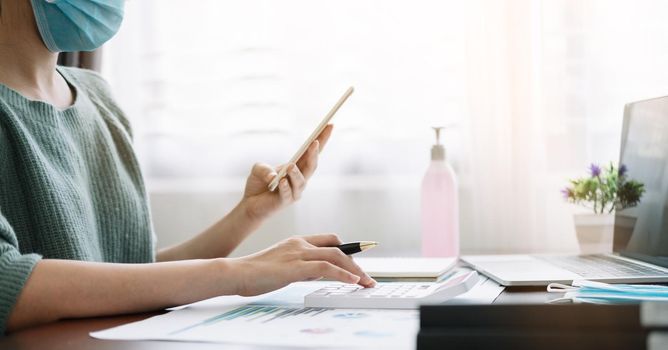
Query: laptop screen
642 232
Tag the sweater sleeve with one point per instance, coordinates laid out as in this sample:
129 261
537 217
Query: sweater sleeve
15 268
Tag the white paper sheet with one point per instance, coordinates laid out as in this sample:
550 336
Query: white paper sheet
279 319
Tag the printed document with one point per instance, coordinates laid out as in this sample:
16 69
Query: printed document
280 319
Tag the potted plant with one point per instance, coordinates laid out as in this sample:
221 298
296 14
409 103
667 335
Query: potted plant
605 191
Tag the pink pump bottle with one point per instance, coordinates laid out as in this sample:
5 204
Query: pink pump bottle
440 206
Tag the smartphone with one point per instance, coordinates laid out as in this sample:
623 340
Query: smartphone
274 183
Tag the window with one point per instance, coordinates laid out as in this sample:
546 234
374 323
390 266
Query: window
532 90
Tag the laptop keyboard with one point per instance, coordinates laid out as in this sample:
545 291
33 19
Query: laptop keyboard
601 266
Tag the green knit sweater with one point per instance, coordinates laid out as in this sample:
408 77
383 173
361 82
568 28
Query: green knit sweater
70 185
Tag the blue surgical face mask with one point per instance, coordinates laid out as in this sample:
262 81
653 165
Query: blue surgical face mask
602 293
77 25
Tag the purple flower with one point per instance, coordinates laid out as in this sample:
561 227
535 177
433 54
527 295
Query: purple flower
567 193
595 170
622 170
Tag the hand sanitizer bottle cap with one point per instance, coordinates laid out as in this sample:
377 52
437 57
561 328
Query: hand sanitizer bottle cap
437 150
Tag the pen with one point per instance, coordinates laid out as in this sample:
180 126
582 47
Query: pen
356 247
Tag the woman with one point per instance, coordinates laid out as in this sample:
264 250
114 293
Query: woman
75 230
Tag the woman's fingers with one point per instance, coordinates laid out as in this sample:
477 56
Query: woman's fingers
324 135
299 173
318 269
299 259
297 181
284 191
309 161
335 256
264 172
323 239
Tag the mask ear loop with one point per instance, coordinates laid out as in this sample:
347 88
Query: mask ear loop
560 288
560 300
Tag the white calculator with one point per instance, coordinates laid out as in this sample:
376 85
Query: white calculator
391 295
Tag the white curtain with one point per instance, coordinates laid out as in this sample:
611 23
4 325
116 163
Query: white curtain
533 91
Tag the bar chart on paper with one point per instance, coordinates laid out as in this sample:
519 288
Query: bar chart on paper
257 313
307 326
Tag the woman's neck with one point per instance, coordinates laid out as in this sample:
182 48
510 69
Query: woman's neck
28 66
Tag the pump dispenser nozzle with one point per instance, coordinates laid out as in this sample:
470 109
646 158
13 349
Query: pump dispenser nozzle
438 151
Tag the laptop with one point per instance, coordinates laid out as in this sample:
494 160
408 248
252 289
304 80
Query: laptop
641 259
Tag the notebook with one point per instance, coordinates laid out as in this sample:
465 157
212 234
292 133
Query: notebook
407 269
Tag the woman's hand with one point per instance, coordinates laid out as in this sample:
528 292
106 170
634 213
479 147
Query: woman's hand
296 259
260 202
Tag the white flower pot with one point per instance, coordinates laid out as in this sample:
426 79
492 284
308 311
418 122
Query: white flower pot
595 232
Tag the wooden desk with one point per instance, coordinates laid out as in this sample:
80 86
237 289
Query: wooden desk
73 334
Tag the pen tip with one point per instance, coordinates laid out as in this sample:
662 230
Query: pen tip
368 245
